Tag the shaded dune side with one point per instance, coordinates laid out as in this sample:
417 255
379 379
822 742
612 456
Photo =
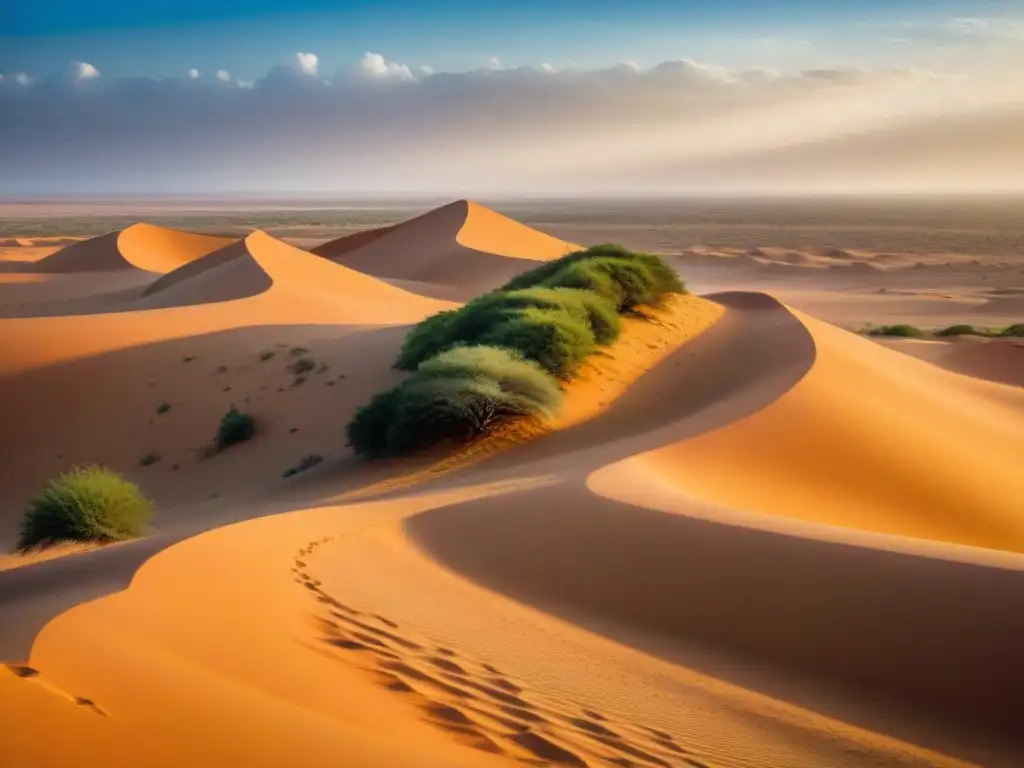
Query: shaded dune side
140 246
260 262
461 244
999 360
224 275
339 246
622 546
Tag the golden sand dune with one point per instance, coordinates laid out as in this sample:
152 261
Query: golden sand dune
140 246
463 245
752 539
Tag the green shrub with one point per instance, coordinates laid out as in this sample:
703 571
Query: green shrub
163 408
302 365
904 331
149 459
298 351
519 320
235 427
307 462
89 504
1015 331
647 277
495 359
959 330
557 341
459 395
508 368
266 354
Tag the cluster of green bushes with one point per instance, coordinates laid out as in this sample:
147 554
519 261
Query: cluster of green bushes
911 332
499 357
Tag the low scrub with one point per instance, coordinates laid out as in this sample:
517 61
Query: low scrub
88 504
1015 331
235 427
499 357
307 462
960 330
457 396
902 331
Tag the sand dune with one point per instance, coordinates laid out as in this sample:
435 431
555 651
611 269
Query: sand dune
140 246
751 539
461 245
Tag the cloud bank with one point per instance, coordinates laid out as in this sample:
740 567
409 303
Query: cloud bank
380 125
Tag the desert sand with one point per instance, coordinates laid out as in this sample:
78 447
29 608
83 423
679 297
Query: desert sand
752 538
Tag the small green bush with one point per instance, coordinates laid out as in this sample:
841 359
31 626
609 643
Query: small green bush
959 330
89 504
459 395
235 427
149 459
307 462
298 351
1015 331
302 365
266 354
163 408
904 331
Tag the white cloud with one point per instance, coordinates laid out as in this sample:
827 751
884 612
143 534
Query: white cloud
510 128
374 65
494 63
426 71
22 79
193 74
545 67
84 71
307 63
223 75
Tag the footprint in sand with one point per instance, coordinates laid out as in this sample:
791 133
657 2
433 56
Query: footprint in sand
26 672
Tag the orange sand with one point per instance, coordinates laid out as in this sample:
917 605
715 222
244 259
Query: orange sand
751 539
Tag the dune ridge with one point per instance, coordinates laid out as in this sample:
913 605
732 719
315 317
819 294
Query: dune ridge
140 246
751 539
462 245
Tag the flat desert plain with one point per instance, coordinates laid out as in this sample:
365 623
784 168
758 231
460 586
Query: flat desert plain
753 537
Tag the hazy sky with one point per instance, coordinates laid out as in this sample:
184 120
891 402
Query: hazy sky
540 96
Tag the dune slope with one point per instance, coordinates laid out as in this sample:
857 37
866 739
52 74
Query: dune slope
462 244
140 246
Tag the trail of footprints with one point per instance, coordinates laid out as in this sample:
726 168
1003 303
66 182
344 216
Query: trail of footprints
477 703
32 674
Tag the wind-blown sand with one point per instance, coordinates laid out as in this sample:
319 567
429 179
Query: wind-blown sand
752 539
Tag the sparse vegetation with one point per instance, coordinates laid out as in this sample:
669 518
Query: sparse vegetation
902 331
302 365
235 427
499 357
307 462
149 459
188 358
960 330
266 354
222 369
163 408
952 331
456 396
298 351
88 504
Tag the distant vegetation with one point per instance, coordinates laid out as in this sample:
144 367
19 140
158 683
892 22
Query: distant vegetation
235 427
909 331
500 357
163 408
305 463
266 354
302 365
88 504
903 331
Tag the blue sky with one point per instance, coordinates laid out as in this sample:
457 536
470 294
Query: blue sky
164 38
519 96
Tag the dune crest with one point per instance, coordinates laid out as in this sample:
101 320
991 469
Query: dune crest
462 245
141 246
